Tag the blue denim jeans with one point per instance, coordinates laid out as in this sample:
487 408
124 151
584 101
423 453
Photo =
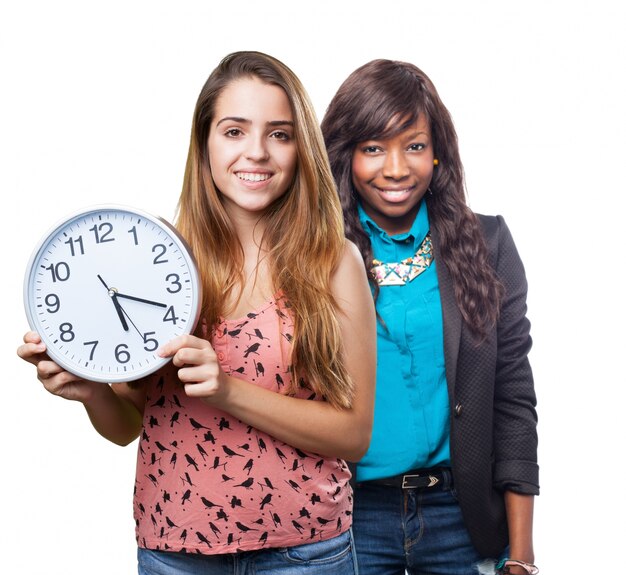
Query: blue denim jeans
330 557
417 530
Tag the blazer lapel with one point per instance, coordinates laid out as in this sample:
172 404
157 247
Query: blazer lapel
452 320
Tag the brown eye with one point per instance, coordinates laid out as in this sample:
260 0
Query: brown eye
280 135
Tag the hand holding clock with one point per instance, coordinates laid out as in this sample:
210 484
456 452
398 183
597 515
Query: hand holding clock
54 378
200 371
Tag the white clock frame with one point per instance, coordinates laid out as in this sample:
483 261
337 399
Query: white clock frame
121 296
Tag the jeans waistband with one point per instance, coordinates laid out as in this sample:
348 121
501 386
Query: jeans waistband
438 478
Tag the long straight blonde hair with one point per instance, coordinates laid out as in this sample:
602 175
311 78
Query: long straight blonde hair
304 231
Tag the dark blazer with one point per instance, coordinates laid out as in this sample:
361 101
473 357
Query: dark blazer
493 437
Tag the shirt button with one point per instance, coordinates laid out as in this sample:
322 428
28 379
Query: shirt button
220 356
458 409
220 334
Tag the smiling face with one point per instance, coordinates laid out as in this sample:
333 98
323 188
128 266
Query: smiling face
252 150
391 175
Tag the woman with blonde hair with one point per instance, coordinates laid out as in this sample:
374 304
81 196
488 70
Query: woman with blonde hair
244 434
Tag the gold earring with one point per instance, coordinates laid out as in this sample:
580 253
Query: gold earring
436 162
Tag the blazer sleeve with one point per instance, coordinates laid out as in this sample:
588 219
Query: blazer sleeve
515 416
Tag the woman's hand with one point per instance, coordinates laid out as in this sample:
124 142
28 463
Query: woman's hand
200 371
54 378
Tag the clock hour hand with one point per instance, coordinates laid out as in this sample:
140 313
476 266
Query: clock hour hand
118 308
142 300
120 312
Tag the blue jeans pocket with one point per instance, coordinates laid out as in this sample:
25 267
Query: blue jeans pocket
328 551
151 562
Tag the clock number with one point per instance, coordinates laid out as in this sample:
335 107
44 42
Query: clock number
79 242
60 271
66 332
94 344
170 315
159 257
105 228
121 353
133 231
174 279
53 303
153 342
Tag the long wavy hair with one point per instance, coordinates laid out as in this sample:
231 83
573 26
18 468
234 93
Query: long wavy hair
304 232
380 100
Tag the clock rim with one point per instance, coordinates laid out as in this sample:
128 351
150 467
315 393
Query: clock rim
159 221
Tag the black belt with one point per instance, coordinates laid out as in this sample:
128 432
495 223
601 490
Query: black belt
416 479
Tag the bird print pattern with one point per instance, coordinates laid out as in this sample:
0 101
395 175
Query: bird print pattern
208 483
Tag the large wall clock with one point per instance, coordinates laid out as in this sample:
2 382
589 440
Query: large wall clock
106 286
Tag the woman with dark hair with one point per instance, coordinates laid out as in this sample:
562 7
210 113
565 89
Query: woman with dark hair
447 484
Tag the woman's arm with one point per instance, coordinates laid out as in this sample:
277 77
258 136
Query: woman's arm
515 417
308 425
519 512
114 411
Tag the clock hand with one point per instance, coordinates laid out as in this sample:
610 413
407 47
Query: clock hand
120 312
132 322
103 282
116 304
143 336
141 300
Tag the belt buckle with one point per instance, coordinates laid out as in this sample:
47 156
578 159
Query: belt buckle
432 480
404 479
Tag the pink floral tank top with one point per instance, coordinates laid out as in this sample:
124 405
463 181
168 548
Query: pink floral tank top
209 483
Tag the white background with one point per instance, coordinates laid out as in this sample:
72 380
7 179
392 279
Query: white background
96 100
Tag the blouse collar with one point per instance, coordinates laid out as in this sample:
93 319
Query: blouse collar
416 234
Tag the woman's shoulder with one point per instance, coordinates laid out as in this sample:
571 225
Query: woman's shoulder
490 223
495 229
349 280
500 242
350 264
351 252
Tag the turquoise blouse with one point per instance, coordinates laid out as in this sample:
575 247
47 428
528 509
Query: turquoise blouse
411 414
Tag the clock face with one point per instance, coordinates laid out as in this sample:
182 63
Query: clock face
106 287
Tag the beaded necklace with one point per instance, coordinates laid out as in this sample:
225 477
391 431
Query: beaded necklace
400 273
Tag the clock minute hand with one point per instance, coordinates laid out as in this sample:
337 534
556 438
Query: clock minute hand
142 300
118 308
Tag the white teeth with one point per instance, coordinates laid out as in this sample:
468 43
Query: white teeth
394 192
252 177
